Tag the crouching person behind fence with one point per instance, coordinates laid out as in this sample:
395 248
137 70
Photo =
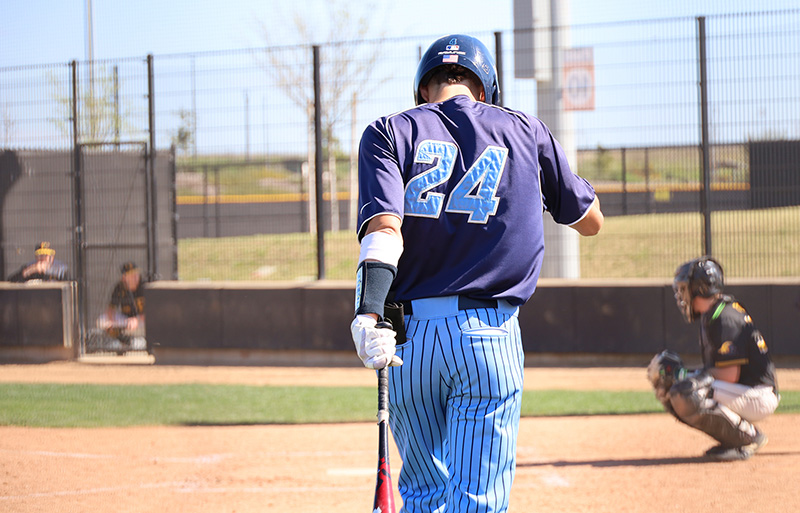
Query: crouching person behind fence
736 387
124 317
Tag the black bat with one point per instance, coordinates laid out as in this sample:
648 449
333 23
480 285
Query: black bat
384 496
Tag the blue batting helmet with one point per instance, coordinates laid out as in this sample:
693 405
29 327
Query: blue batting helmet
465 51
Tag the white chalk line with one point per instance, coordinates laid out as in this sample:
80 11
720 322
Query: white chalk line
551 479
547 477
270 489
89 491
183 487
204 458
74 455
355 471
555 480
189 487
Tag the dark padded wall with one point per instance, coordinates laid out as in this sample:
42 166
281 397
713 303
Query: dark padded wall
33 315
561 318
238 316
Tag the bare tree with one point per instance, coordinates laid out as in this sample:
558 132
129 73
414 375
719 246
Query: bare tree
101 116
8 126
184 136
346 68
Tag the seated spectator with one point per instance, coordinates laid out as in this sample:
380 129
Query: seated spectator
44 268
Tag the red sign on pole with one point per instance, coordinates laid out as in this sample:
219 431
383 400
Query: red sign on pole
579 79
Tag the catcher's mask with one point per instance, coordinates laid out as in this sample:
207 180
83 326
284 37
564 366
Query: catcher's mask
701 277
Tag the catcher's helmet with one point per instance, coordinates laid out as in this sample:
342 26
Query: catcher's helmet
465 51
701 277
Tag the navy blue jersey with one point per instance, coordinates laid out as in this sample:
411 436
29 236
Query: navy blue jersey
56 272
470 182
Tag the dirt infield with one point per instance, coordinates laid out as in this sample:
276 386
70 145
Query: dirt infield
626 463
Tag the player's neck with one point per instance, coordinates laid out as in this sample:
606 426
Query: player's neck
448 91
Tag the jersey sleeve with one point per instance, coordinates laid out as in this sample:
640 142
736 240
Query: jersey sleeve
17 276
58 271
380 179
566 195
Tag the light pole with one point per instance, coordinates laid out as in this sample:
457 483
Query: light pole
533 20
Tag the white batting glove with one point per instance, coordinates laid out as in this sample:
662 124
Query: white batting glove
375 346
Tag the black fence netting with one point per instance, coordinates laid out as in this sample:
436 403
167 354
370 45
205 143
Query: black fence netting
687 127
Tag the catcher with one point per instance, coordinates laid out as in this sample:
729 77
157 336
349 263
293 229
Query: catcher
736 386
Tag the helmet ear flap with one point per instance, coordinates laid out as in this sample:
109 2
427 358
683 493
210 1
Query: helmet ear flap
707 278
683 299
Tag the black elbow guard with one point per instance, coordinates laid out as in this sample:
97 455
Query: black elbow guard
373 281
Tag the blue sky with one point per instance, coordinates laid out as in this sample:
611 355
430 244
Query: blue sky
45 32
54 31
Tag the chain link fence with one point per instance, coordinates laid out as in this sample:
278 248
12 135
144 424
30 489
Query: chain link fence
80 170
687 127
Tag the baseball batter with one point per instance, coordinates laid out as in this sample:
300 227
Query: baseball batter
736 386
452 194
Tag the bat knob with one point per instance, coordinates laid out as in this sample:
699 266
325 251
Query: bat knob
386 323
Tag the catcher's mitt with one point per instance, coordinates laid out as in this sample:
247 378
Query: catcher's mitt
665 369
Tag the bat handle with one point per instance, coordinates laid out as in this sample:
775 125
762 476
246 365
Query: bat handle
383 393
386 323
383 382
384 498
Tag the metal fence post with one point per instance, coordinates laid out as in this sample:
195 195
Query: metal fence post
624 160
173 199
705 193
150 185
217 214
318 166
648 194
205 201
78 242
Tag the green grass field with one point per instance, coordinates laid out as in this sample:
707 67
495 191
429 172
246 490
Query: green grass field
752 244
60 405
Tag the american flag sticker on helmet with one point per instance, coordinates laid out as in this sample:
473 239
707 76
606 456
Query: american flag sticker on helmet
450 58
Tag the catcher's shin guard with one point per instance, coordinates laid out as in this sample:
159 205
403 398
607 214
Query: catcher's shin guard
692 403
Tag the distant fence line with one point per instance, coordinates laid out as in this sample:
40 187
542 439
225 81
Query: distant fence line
652 141
630 181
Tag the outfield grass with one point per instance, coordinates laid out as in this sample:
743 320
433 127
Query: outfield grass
67 405
752 243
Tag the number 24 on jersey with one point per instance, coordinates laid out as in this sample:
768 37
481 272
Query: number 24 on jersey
475 193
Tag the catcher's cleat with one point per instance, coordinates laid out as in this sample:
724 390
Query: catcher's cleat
722 453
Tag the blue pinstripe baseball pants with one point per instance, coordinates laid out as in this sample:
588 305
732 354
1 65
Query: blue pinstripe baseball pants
455 406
